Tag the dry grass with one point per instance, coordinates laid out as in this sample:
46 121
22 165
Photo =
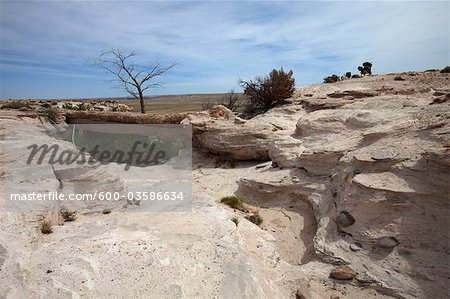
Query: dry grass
234 202
255 218
46 226
176 103
68 215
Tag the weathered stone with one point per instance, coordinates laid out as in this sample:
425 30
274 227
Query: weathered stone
388 242
355 247
343 273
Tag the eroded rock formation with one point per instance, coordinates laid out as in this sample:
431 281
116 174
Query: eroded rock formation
350 179
372 162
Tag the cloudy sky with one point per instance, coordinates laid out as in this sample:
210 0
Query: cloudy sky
47 48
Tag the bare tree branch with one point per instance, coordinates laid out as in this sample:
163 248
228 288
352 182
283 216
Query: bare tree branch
133 78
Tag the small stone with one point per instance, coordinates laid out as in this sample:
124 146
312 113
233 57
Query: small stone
49 271
343 273
355 247
388 242
334 297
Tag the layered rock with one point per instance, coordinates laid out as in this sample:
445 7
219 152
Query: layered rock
371 157
354 184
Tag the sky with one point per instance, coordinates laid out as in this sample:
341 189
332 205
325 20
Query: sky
48 48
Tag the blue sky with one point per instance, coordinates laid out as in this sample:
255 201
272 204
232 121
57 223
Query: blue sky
47 47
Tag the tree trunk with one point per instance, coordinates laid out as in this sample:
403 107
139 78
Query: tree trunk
141 101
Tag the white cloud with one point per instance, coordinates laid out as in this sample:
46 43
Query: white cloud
222 40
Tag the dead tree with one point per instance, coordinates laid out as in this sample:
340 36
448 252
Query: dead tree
134 79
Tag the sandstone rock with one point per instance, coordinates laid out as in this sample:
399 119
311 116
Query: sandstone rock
357 94
320 104
388 242
73 116
355 247
220 111
343 273
235 138
382 157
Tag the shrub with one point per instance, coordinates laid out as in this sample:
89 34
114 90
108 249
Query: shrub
50 113
348 74
255 218
233 201
16 105
445 70
67 106
365 69
80 106
331 79
399 78
68 215
263 93
46 227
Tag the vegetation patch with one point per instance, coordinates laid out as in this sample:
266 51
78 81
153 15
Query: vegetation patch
255 218
264 93
50 113
331 79
233 201
80 107
46 227
68 215
16 105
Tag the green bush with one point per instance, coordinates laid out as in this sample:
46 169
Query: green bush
80 106
67 106
233 201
